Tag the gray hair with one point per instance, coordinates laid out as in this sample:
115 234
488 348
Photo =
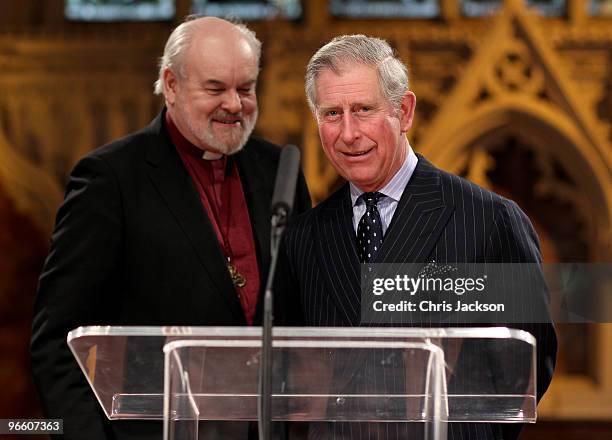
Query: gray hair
370 51
181 38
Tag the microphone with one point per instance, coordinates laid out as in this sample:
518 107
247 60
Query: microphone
286 178
282 204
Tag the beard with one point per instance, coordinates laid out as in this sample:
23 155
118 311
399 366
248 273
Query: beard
235 137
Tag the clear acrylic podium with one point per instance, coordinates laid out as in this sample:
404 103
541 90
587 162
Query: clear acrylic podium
429 377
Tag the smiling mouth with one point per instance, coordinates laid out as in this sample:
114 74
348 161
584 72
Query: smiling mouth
232 121
357 153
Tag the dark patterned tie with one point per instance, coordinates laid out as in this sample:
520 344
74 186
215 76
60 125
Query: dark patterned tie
369 231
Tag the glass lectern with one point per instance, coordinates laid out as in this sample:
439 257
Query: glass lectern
427 377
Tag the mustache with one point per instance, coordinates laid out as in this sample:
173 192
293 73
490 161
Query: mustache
222 115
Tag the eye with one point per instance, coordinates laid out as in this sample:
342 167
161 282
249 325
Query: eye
364 109
245 90
214 90
329 114
332 115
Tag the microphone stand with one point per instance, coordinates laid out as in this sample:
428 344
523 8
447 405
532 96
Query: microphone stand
264 401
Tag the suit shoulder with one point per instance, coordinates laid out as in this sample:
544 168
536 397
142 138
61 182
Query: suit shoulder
121 149
120 158
470 198
464 191
261 152
306 219
127 156
263 147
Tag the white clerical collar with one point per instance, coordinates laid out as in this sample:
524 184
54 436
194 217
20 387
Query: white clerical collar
210 155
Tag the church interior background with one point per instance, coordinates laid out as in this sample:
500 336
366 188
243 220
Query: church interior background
514 95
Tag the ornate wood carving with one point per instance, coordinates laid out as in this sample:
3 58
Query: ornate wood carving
59 99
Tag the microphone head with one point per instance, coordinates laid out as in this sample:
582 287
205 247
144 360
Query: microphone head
286 179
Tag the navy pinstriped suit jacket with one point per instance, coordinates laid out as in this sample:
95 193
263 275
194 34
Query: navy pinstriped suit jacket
440 217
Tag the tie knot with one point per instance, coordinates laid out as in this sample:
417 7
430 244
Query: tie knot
371 198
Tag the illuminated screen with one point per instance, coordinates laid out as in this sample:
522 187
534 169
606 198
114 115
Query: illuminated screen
384 8
248 9
481 8
601 7
119 10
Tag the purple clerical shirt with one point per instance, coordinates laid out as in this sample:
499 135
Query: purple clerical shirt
218 184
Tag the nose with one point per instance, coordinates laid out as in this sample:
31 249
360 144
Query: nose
231 102
350 132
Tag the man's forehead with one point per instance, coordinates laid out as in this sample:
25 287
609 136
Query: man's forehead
215 46
351 83
346 73
215 58
343 68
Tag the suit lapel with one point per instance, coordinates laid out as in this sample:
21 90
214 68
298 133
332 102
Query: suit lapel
257 184
337 254
419 218
172 181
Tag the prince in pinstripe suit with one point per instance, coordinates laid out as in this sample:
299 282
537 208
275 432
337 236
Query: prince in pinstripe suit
358 92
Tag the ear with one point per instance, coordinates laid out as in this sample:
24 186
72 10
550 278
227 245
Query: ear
170 82
407 111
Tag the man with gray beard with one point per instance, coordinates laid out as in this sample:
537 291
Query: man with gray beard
167 226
